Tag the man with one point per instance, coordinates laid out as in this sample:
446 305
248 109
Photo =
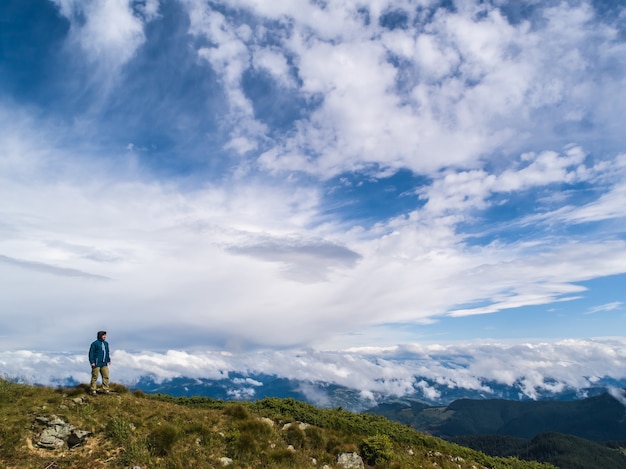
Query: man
100 360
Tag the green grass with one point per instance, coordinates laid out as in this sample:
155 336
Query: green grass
156 431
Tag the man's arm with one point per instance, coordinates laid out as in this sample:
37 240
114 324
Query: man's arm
92 356
108 357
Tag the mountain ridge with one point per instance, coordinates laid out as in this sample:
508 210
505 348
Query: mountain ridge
250 386
596 418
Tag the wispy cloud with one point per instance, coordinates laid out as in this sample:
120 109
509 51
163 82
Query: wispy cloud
50 269
616 305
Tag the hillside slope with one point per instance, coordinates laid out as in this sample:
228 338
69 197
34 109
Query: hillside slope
156 431
564 451
598 418
584 434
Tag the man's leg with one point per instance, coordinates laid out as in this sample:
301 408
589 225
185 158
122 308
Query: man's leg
104 371
94 378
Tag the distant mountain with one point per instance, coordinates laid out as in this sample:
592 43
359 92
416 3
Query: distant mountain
236 386
581 434
254 387
598 418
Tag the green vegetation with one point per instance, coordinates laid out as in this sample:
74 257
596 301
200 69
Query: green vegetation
377 450
564 451
157 431
567 434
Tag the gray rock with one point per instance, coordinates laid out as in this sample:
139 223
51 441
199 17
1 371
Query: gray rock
49 440
301 425
77 437
350 461
58 433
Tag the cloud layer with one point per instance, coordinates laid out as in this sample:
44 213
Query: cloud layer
535 369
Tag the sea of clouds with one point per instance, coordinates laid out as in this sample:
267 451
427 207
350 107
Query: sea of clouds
535 368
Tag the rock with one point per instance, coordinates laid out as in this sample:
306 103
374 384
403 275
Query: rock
77 437
350 461
301 425
48 440
225 461
58 433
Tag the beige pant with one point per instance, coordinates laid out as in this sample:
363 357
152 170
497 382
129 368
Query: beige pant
102 370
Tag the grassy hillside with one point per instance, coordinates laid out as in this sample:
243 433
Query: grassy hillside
564 451
154 431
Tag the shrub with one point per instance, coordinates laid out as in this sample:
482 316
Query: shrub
333 445
86 410
236 411
315 438
161 439
295 437
119 429
376 449
119 388
135 452
242 445
282 456
82 388
255 427
72 392
204 433
55 399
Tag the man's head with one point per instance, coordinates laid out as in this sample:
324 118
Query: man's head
102 335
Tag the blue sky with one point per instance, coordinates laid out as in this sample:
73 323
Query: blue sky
192 175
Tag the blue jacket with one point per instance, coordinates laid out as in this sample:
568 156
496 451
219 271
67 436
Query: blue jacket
99 353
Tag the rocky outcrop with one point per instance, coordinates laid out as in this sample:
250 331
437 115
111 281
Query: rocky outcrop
58 434
350 461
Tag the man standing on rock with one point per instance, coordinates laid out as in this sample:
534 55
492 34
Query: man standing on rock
100 360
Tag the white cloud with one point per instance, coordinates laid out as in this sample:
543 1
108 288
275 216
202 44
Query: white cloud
535 367
108 31
276 64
